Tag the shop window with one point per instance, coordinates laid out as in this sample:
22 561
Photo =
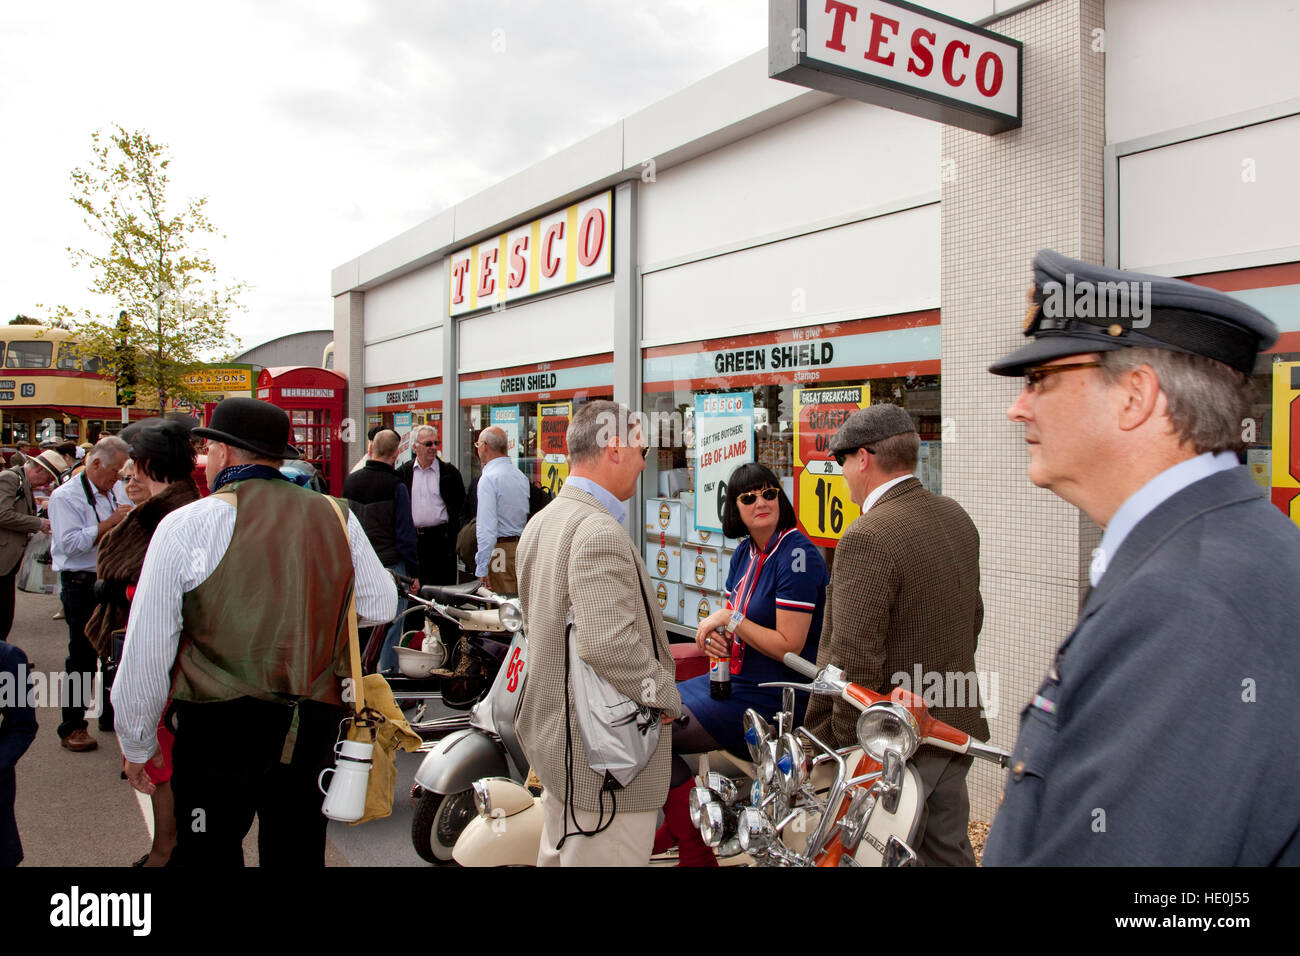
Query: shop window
29 355
689 561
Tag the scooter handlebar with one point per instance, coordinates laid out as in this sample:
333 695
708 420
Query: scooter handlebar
802 665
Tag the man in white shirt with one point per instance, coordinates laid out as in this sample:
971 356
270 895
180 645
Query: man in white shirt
502 512
82 511
244 625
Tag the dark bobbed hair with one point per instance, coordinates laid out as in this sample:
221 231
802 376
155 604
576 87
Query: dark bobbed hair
161 449
753 477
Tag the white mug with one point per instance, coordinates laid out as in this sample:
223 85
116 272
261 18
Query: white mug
345 800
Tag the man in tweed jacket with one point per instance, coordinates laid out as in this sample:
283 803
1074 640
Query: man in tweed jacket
904 600
575 553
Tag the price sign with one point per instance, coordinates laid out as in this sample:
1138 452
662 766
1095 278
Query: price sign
506 417
724 440
1286 438
552 447
821 493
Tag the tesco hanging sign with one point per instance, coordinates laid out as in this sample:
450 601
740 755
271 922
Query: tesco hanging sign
899 56
569 246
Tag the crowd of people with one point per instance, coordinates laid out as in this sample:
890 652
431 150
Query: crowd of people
222 716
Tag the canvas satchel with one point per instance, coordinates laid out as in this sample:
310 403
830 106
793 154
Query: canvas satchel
376 719
619 734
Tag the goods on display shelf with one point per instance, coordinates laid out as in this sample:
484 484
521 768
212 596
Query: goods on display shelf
700 567
664 561
697 605
669 596
663 517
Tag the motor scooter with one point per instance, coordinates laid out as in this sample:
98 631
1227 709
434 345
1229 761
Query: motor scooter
486 747
869 814
507 827
431 674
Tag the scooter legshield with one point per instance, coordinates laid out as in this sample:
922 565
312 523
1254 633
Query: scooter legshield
459 759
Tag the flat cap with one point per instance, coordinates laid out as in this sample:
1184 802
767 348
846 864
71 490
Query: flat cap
1079 307
870 425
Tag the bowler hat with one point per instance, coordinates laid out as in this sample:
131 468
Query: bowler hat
1079 307
255 426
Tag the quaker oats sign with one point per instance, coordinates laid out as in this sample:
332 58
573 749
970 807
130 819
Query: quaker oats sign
724 439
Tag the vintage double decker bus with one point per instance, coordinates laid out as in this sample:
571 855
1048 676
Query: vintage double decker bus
48 391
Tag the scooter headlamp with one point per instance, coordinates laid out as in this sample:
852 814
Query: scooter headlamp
699 797
512 616
888 725
757 734
791 766
755 830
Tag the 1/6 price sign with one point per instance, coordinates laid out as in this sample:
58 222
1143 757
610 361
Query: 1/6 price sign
821 493
552 446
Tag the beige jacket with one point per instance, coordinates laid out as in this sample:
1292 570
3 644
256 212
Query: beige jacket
573 551
17 517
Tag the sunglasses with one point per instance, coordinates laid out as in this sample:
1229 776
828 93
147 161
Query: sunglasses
432 444
842 456
749 497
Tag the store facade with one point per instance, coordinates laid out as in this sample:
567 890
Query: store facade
755 249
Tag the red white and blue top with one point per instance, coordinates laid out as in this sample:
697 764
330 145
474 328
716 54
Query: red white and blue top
789 575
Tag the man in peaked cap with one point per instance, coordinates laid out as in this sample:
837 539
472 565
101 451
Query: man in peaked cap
904 605
1164 732
244 625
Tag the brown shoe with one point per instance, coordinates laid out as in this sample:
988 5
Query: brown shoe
79 742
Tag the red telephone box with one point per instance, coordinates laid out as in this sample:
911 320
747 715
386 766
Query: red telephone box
314 400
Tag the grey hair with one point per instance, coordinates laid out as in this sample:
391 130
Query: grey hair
595 425
425 428
110 446
494 436
898 452
1207 400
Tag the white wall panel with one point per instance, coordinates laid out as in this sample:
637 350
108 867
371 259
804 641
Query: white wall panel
1173 63
1196 200
405 359
563 326
875 267
844 157
406 303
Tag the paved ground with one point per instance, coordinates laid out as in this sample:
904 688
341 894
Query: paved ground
75 810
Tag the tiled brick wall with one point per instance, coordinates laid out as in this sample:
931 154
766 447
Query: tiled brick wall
1005 197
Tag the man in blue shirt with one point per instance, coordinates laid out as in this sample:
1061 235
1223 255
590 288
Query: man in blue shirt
1164 732
502 512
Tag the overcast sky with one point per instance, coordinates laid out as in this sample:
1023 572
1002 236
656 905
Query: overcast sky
317 130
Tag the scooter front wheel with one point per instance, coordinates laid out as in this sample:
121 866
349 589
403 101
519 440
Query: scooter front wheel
439 820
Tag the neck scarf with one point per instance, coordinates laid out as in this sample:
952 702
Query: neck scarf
244 472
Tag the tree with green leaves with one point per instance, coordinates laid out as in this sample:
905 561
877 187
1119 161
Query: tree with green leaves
168 307
21 319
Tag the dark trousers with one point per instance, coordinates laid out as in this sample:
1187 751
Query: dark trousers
226 768
437 548
942 838
8 586
78 603
11 848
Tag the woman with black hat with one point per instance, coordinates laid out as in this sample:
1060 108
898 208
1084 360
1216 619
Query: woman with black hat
164 459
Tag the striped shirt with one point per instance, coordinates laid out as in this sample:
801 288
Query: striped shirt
184 551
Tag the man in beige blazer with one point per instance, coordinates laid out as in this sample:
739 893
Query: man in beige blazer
17 522
904 606
576 553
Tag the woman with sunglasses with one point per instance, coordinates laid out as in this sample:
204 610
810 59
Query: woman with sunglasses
776 589
162 463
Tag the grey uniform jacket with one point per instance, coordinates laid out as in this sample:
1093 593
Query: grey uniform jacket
574 552
17 517
1168 730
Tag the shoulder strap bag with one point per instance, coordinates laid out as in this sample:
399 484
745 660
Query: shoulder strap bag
619 735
